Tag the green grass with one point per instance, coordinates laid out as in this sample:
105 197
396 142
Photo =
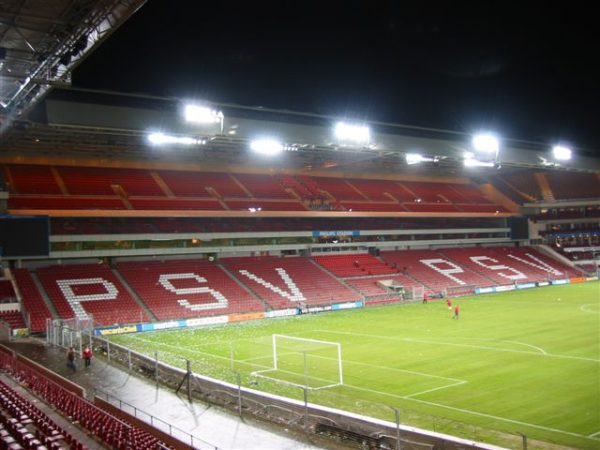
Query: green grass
525 361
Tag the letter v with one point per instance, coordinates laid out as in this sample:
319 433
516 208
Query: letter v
294 295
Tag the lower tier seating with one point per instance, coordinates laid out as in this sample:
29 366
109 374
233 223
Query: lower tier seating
24 426
350 265
33 303
87 289
432 269
506 265
286 282
187 288
14 319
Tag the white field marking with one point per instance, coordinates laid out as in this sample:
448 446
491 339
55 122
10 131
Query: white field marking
455 381
388 394
541 350
584 308
260 373
594 434
475 413
481 347
435 389
212 355
504 419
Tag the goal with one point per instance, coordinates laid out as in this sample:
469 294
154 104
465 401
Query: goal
306 363
414 293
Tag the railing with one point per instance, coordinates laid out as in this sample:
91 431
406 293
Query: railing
154 421
228 384
69 403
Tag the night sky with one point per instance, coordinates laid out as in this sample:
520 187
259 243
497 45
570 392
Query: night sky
528 71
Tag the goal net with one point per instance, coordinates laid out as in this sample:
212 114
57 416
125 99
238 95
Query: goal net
459 291
414 293
307 363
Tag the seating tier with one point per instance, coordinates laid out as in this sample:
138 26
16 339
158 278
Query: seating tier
286 282
187 288
83 290
33 303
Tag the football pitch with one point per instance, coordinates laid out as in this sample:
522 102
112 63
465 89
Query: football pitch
518 362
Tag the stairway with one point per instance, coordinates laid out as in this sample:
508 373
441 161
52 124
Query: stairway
544 186
135 296
42 291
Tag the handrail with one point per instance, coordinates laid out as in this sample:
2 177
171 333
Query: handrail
153 419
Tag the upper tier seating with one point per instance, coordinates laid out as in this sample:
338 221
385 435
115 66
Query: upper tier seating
434 270
33 303
432 192
49 187
370 206
65 202
351 265
195 184
99 181
175 203
463 193
286 282
292 205
431 207
339 188
263 186
523 182
573 185
376 190
25 179
87 289
187 288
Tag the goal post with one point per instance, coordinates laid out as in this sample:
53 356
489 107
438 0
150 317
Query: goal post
414 293
308 363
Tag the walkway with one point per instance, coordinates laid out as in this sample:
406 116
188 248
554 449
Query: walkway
215 426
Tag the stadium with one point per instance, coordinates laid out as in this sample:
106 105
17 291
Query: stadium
320 282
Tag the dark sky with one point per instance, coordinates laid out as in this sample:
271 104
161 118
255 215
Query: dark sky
527 69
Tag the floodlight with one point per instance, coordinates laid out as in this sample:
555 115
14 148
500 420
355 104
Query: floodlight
486 142
472 162
416 158
266 146
163 139
359 134
202 114
561 153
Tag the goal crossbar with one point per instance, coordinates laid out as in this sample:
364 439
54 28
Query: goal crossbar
310 346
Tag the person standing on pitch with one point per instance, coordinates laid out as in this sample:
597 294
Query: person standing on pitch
449 303
456 311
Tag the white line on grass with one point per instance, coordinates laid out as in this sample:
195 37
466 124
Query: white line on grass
435 389
584 308
475 413
594 435
481 347
504 419
410 397
212 355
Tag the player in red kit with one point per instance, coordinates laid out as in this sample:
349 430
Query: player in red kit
449 303
456 311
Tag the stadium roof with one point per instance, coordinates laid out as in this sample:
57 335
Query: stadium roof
110 125
42 41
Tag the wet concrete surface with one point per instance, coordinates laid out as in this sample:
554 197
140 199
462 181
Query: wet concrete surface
218 428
